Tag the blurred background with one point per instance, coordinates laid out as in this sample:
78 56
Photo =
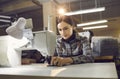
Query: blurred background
42 14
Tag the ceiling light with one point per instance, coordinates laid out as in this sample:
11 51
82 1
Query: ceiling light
91 23
85 11
2 16
7 21
61 11
95 27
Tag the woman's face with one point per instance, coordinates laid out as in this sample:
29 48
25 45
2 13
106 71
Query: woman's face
65 30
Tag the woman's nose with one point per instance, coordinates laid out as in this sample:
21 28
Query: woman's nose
62 31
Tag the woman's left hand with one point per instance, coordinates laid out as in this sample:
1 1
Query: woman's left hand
60 61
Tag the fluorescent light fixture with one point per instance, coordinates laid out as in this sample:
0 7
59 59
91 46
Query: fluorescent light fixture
91 23
95 27
2 16
85 11
7 21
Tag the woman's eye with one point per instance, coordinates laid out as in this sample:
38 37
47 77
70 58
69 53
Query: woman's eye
65 28
59 29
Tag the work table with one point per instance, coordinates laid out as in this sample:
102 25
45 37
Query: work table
78 71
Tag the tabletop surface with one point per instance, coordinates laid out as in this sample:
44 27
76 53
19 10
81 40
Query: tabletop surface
87 70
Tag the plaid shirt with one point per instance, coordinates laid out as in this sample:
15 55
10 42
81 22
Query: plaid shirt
78 49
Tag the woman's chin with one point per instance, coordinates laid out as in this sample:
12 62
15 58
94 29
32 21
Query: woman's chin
65 38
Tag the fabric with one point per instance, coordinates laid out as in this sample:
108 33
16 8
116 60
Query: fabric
16 30
76 47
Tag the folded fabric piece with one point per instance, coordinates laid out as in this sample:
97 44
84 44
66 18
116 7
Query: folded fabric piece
16 30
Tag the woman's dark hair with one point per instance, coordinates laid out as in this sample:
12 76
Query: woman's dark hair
67 19
91 35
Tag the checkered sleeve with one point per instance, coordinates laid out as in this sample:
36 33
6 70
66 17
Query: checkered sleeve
87 53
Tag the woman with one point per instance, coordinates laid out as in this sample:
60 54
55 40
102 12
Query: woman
71 48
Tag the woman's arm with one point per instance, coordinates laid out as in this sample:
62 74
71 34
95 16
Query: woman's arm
86 57
87 53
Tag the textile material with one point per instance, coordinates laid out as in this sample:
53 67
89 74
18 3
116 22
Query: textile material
78 49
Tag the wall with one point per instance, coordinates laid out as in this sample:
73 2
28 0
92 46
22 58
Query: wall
26 9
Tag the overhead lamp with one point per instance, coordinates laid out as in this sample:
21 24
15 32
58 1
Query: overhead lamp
85 11
6 21
61 11
7 17
95 27
91 23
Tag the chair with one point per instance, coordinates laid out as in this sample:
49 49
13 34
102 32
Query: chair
105 48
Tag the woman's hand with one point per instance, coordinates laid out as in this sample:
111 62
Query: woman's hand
60 61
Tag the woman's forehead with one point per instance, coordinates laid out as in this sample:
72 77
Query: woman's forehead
64 24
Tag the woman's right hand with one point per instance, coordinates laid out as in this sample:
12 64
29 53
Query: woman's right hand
60 61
